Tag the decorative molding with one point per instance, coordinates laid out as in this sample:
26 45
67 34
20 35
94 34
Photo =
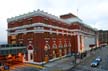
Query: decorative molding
42 30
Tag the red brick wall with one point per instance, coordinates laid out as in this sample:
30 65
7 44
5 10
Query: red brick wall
74 42
38 39
74 26
36 19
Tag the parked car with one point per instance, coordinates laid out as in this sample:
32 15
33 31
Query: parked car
99 59
95 63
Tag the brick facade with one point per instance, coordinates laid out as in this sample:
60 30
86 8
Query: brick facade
51 37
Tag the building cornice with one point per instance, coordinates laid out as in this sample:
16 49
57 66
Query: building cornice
35 13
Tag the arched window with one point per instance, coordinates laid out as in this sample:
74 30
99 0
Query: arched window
47 46
69 44
30 47
65 44
54 46
60 44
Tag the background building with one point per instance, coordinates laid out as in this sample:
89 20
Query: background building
103 37
12 53
48 37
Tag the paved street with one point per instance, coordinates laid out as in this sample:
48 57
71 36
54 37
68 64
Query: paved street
85 64
60 65
26 67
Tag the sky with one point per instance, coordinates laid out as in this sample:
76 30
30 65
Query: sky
92 12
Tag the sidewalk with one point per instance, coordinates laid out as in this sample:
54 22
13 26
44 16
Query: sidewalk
64 64
60 65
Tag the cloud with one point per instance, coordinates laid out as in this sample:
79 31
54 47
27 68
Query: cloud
102 7
11 8
92 12
101 26
3 32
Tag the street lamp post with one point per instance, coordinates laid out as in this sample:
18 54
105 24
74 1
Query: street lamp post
74 62
42 58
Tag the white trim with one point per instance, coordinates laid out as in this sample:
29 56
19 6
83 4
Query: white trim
57 58
42 30
39 63
54 59
44 61
38 24
64 56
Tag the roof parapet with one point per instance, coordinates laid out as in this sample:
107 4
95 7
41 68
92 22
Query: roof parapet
34 13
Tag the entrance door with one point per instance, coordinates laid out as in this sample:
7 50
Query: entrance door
30 53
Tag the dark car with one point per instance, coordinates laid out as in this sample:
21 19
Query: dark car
95 63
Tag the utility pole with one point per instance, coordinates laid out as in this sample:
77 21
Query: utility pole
77 11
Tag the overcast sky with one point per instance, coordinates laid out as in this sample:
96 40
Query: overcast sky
92 12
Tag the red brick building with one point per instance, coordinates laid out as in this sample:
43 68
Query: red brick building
48 37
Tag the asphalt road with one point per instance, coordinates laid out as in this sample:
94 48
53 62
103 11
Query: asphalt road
85 64
26 69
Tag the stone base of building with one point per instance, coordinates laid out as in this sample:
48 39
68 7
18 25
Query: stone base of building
51 60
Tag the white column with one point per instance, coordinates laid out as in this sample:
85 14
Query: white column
82 40
29 55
